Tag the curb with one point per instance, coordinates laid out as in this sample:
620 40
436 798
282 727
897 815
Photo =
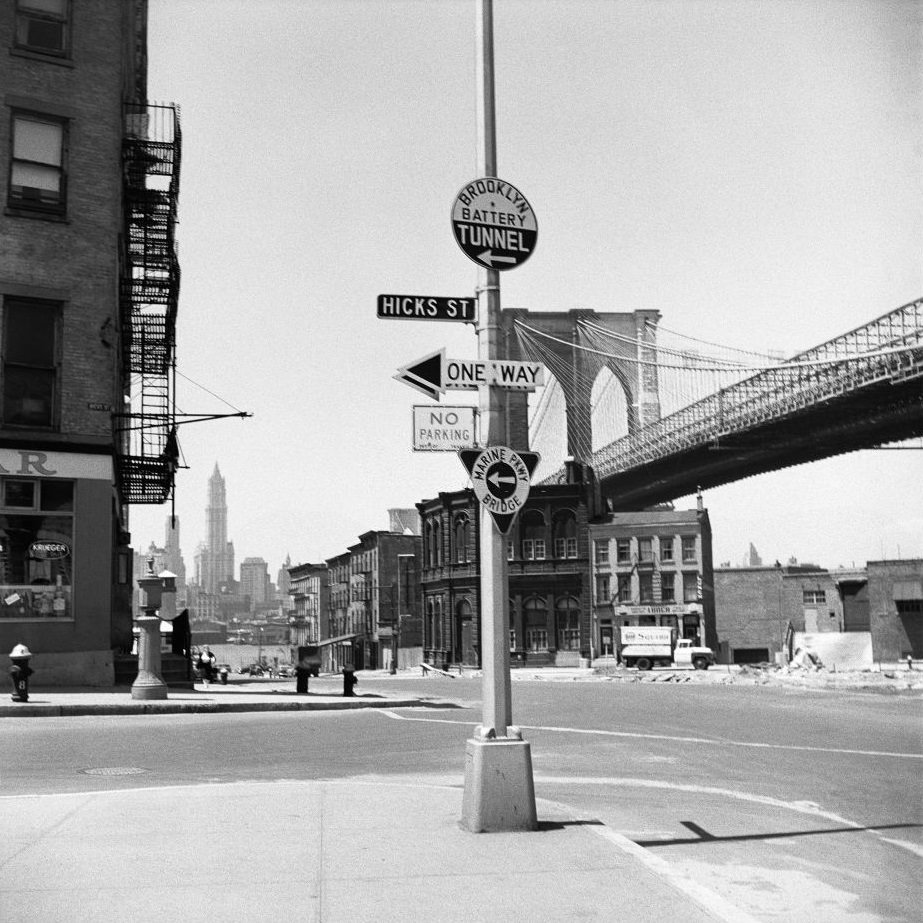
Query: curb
165 707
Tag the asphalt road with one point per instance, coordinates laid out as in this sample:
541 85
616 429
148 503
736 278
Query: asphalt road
793 804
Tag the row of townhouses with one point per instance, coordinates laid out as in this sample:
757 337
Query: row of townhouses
577 573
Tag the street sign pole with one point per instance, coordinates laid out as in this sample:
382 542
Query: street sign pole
499 790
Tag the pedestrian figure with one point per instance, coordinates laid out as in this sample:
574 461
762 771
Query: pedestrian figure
207 663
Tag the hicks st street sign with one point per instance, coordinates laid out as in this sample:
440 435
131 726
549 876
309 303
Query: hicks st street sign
434 374
494 223
427 307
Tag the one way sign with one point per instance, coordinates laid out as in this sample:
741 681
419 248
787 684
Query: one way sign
434 374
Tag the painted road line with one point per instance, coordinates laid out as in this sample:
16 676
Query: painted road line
710 741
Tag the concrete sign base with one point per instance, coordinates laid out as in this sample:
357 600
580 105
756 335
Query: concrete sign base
499 791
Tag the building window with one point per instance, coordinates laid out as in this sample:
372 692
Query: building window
533 549
36 549
814 597
536 618
41 25
30 363
667 589
602 588
565 547
646 588
533 536
645 550
601 551
510 551
461 539
624 590
623 551
689 553
666 549
690 588
37 177
565 535
567 613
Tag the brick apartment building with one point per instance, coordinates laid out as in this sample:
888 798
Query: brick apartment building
653 568
88 289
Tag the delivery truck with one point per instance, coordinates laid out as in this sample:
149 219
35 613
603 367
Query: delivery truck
645 647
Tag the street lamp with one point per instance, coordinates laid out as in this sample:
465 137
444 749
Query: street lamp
396 624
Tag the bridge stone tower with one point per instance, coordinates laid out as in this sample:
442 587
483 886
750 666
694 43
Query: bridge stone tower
638 380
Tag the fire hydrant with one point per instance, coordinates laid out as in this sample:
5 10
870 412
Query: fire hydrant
223 673
349 680
20 672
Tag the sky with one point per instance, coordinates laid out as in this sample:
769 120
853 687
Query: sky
751 170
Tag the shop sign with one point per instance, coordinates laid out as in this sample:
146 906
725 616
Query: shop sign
49 551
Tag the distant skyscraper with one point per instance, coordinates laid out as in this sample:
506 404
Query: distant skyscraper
283 580
173 557
216 563
254 581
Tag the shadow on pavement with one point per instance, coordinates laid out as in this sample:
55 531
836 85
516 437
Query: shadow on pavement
703 836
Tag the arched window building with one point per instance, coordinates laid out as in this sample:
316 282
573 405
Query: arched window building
549 576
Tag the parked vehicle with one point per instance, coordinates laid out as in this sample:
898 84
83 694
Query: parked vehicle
645 647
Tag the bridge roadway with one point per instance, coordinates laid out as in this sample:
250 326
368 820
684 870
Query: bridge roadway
883 412
857 391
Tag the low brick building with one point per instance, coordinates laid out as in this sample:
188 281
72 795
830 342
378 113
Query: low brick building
761 611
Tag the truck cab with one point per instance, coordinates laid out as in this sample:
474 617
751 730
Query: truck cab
686 654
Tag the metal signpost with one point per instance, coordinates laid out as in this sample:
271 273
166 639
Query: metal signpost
495 226
499 790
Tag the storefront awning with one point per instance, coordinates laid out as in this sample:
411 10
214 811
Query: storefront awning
340 639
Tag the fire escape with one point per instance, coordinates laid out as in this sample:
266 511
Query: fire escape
149 296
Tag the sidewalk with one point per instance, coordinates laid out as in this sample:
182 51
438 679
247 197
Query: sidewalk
326 851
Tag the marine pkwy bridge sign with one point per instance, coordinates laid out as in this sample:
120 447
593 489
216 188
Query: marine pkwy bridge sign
434 374
501 478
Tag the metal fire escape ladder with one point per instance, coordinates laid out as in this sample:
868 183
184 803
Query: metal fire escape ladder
149 298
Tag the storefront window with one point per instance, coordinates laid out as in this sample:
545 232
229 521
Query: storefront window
36 549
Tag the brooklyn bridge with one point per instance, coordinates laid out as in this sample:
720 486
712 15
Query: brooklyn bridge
658 415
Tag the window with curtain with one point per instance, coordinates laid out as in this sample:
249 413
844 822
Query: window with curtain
37 175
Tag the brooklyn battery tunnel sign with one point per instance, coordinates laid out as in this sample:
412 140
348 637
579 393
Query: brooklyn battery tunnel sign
494 224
